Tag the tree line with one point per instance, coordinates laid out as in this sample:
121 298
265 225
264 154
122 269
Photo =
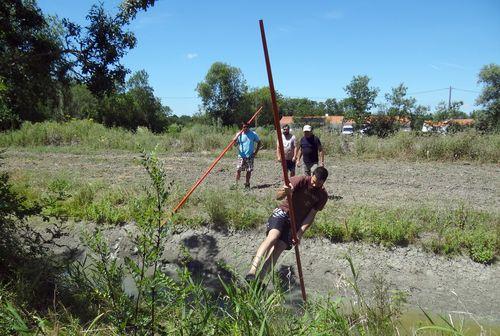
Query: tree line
54 69
227 99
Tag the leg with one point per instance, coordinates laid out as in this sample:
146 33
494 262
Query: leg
307 170
239 167
264 249
271 260
247 178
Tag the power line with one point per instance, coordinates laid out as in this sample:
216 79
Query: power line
163 97
317 97
428 91
466 90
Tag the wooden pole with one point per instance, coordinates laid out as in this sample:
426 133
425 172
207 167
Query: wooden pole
282 154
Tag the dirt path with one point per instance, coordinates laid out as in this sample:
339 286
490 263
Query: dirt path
434 282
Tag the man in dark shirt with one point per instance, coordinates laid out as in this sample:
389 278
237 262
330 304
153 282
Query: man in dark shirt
308 148
309 197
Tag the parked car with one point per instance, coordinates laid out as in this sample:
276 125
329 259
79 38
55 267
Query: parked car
347 130
365 130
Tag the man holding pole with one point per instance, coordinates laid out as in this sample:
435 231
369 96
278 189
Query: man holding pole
309 196
248 144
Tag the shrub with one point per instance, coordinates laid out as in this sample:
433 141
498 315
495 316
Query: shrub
482 246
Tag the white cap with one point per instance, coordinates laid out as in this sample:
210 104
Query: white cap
307 128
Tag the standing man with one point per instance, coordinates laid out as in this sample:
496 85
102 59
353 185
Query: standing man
308 149
308 197
289 149
247 150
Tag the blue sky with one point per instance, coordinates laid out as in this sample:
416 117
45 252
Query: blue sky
315 47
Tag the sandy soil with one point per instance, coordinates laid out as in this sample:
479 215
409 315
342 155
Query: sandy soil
434 282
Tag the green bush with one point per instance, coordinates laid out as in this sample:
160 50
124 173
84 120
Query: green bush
481 246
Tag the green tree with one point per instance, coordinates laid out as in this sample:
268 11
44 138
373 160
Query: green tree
300 107
256 98
222 93
134 107
38 54
360 100
418 116
96 50
444 112
399 104
129 8
81 103
334 107
154 114
7 118
30 60
489 118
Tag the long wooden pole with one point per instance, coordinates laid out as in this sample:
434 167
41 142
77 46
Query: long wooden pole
197 183
282 154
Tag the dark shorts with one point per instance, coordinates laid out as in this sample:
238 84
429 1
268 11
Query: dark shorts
280 221
290 165
309 168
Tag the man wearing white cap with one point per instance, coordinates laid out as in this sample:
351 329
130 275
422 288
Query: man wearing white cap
310 150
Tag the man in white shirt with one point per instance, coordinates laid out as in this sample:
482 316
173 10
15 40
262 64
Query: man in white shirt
289 149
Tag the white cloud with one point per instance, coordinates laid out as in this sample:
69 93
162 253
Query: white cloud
333 15
435 67
453 65
191 55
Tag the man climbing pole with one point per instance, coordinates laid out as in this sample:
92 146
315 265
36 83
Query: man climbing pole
309 196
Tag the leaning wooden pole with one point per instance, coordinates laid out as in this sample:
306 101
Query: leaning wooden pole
282 154
197 183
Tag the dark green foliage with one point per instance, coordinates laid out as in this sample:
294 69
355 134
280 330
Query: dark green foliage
361 98
489 118
445 112
41 56
382 126
400 105
30 61
99 48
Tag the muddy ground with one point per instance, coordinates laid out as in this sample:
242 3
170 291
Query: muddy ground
436 283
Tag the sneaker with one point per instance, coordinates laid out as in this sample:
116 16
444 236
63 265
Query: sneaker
255 282
247 186
250 277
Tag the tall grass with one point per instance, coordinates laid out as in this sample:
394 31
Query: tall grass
413 146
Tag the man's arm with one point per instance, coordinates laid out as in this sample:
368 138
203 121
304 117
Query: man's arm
283 191
278 156
306 223
298 155
257 147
